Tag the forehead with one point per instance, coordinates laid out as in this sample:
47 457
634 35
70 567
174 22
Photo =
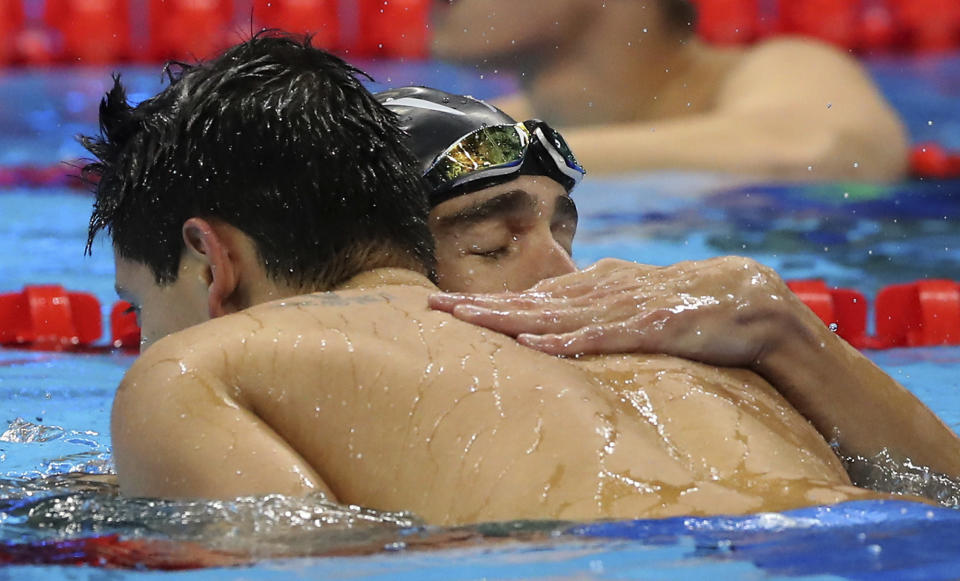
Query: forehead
540 189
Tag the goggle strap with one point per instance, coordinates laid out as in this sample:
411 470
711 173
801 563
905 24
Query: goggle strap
558 159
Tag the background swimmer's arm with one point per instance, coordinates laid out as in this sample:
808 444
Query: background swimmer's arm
727 311
177 432
791 110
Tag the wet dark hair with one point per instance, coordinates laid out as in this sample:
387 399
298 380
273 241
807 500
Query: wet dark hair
276 138
680 15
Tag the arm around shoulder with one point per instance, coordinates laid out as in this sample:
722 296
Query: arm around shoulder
853 402
178 432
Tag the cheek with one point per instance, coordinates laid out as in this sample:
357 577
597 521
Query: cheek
156 322
170 312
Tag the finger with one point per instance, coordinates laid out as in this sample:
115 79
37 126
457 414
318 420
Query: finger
567 286
499 301
446 301
540 321
592 280
599 339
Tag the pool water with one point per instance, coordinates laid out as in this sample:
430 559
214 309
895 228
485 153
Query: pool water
55 419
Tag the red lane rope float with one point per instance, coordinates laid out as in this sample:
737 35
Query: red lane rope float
917 314
60 175
112 552
50 318
934 161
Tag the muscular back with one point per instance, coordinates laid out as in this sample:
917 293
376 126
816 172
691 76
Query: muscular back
367 395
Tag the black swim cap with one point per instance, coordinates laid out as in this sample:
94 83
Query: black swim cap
435 120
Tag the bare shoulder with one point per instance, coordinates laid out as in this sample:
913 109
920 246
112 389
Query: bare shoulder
160 372
795 69
799 49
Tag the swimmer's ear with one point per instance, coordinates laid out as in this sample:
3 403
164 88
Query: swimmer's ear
218 271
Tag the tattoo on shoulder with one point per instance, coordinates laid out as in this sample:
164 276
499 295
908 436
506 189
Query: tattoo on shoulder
332 299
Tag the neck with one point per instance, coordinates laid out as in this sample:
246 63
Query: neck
386 276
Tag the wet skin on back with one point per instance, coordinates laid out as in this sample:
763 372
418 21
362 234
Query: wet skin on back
367 395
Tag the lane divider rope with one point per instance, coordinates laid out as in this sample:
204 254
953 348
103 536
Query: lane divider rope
917 314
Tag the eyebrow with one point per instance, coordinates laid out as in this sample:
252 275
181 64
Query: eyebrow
504 204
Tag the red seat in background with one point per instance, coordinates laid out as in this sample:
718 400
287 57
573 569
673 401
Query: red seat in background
11 23
89 31
188 30
316 17
393 28
833 21
728 21
929 25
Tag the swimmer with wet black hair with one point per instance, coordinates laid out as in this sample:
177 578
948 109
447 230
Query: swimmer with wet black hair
635 89
503 218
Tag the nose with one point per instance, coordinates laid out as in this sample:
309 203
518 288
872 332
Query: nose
554 260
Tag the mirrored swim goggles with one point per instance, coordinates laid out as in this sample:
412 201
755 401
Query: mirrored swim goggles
501 150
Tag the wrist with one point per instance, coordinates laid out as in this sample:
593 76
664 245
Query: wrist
791 338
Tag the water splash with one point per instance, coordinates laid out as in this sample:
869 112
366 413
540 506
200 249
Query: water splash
20 431
886 474
74 506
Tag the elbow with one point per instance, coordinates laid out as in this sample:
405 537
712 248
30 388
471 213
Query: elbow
877 153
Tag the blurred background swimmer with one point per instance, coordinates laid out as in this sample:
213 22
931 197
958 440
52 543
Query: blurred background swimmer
503 220
639 90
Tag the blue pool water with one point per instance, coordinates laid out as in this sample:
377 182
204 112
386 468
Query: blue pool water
55 415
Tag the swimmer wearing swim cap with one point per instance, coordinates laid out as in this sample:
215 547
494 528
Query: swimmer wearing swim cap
508 226
500 190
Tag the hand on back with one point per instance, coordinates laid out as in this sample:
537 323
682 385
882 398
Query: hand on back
723 311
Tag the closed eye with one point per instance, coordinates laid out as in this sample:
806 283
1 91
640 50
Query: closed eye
493 254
